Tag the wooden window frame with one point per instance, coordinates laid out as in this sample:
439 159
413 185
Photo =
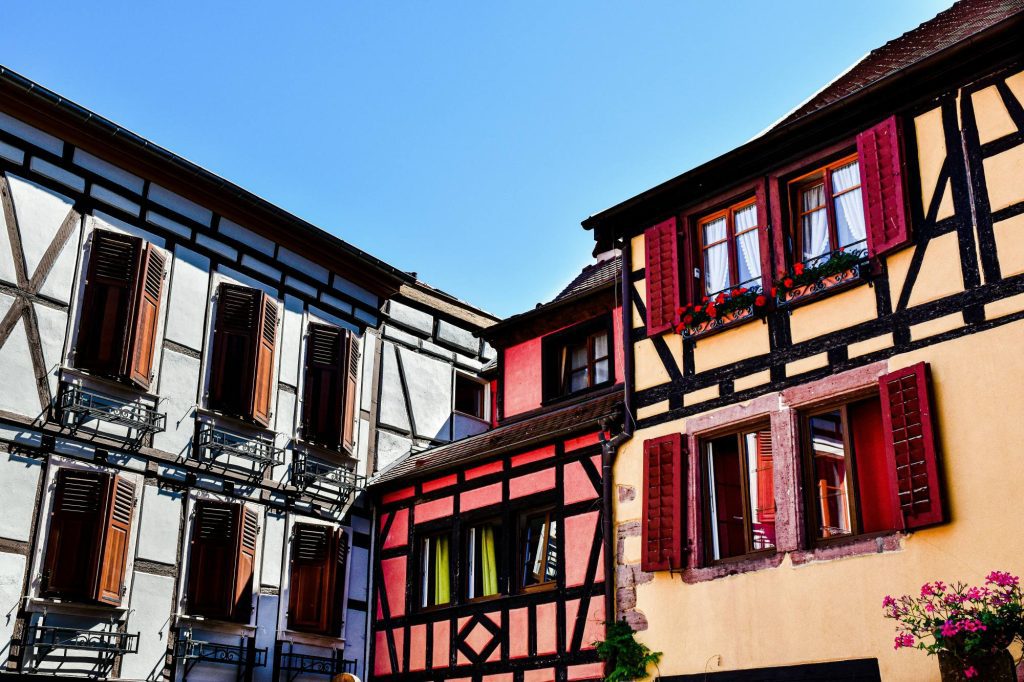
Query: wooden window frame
500 546
732 248
550 514
705 483
552 345
795 189
482 402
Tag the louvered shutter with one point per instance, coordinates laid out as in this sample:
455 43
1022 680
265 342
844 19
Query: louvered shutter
137 363
212 558
263 381
765 477
911 447
663 520
351 398
310 584
110 286
233 361
662 274
323 385
883 187
245 566
340 573
114 555
71 561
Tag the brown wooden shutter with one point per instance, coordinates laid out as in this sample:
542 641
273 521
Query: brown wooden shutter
137 363
245 566
338 596
110 286
212 558
310 584
883 181
114 556
323 404
233 361
910 444
765 477
662 274
663 520
348 424
266 343
71 560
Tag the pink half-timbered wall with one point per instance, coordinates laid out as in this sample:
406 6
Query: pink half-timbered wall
518 636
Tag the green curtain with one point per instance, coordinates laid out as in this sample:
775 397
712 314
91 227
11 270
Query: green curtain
489 561
442 584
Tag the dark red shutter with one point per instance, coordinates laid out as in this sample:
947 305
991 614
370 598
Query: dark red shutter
233 361
765 237
323 385
71 561
212 558
883 187
663 522
137 362
348 424
340 571
911 447
107 303
113 558
245 566
310 584
662 274
263 381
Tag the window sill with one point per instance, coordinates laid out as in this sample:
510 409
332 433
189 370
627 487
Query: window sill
474 417
824 287
214 625
73 608
311 638
116 389
711 327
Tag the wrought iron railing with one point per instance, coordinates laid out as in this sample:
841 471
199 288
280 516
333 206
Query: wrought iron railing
293 665
79 405
324 478
46 639
215 443
244 656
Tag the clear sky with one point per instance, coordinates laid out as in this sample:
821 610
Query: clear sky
465 140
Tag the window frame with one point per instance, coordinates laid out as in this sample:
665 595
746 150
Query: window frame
550 513
552 344
483 396
422 535
703 440
501 548
732 248
795 189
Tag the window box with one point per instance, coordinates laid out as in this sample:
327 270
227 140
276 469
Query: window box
809 280
724 310
217 444
711 325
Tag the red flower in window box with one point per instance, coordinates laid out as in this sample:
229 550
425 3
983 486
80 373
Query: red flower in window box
761 301
699 308
787 282
687 319
720 299
798 269
712 312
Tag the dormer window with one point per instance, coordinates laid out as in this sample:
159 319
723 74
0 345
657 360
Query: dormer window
578 359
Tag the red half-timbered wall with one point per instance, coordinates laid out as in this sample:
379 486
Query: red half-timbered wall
537 636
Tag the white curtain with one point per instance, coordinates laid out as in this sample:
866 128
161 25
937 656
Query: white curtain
750 254
815 224
716 258
849 206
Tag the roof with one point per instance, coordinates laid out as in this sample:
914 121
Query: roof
25 98
958 23
594 276
576 417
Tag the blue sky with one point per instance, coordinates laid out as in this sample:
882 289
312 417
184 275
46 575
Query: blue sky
464 141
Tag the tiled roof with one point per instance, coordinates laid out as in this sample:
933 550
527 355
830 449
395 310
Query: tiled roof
958 23
594 276
572 418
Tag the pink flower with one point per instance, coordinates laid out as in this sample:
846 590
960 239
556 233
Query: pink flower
950 628
904 639
929 607
970 672
888 601
1002 579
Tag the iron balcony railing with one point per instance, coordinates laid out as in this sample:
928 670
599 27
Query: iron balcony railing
80 405
324 478
244 656
215 443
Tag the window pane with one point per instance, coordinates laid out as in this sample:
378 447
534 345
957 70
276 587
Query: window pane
749 256
726 497
761 484
579 356
714 231
539 550
482 550
830 468
815 235
435 585
845 177
600 345
716 269
469 396
601 371
578 380
745 218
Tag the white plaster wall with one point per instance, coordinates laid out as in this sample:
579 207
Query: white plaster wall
186 312
12 572
179 385
430 392
291 339
159 524
266 634
53 326
151 600
19 480
359 563
355 639
390 447
40 212
273 549
19 393
392 406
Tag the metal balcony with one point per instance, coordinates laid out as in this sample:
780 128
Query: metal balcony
46 639
324 479
78 405
216 443
243 656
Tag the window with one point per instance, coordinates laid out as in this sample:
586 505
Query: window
87 545
578 359
244 339
221 559
435 569
538 550
317 578
120 308
848 470
730 248
740 494
469 396
329 387
828 210
483 556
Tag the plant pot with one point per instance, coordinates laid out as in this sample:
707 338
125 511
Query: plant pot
723 321
996 667
822 285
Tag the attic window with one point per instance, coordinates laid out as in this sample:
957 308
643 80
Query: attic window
469 396
578 359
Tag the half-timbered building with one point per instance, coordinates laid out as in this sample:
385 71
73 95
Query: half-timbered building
824 341
490 552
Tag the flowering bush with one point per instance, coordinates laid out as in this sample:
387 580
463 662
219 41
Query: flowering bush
967 622
801 274
725 303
